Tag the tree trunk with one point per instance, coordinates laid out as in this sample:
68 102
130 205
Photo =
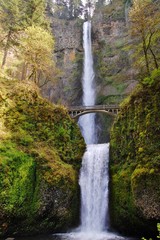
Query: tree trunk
6 48
154 58
146 56
24 71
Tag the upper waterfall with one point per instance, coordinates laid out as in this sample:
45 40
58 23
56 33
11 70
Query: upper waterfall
87 122
88 72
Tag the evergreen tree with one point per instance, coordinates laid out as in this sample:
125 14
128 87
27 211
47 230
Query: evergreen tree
35 12
66 9
145 29
15 17
10 22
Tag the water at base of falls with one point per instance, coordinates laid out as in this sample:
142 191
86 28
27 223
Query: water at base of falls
93 182
77 236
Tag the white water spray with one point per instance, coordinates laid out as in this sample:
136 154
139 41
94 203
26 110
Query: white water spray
94 188
87 122
94 172
94 175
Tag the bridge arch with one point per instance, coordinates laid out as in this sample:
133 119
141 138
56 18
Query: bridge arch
77 111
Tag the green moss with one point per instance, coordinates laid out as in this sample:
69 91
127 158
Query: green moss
115 10
135 161
40 155
17 181
111 99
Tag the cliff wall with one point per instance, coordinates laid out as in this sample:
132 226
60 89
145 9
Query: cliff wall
69 59
115 75
40 156
135 163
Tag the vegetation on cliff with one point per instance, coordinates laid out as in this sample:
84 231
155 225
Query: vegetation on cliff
135 162
135 165
145 30
112 62
40 153
26 42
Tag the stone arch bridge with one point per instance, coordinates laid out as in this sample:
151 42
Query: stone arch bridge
77 111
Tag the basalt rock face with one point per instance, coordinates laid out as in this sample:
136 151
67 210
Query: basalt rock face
115 76
69 59
40 156
134 162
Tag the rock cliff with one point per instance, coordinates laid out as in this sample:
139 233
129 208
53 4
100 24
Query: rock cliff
69 59
134 163
115 76
114 73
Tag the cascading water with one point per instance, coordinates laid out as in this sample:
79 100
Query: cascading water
94 172
87 122
94 188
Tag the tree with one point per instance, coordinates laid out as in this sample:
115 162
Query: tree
35 13
16 16
36 50
145 28
66 9
10 21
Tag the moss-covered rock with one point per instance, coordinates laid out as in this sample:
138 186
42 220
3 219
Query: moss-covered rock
135 161
40 155
115 76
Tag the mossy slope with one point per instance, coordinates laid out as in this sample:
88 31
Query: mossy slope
40 155
135 161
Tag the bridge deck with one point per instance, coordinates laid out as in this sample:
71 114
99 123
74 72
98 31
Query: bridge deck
96 107
76 111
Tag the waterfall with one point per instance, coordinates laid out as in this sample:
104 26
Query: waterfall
94 176
87 122
94 172
94 187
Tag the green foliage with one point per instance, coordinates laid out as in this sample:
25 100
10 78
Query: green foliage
115 10
67 9
26 35
145 22
134 150
10 24
10 15
149 81
111 99
35 13
17 181
36 46
158 228
39 159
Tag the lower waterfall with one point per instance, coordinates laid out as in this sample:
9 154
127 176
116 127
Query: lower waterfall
94 188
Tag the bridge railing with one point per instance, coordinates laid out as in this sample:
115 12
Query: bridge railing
96 107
